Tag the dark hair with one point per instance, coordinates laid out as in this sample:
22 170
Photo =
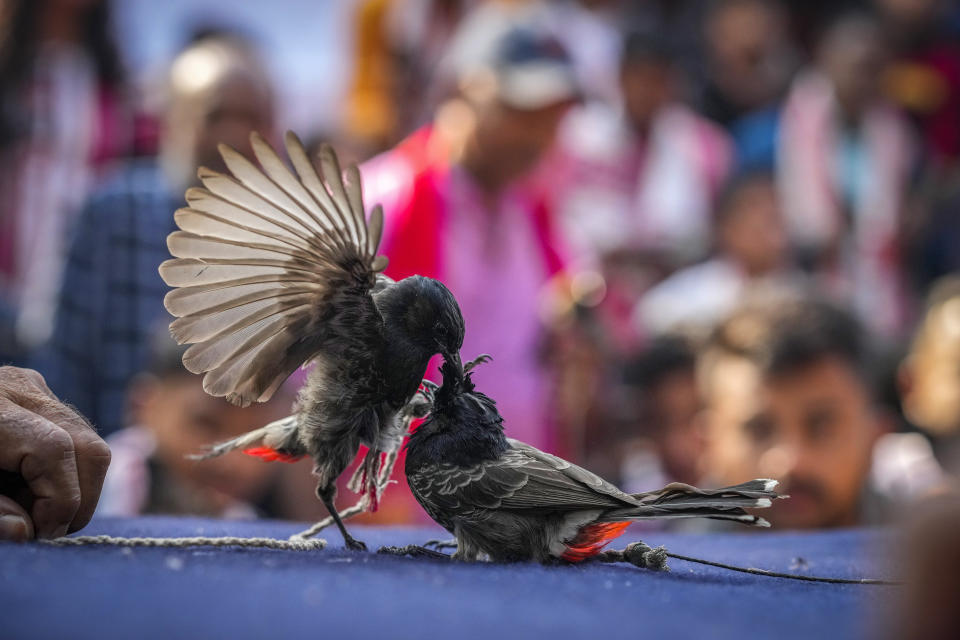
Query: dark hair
788 336
665 355
18 50
165 358
646 46
747 177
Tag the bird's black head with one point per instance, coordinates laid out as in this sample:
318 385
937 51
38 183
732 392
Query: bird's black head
464 426
433 319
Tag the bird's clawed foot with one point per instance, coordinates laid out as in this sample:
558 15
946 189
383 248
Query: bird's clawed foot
354 545
413 550
441 544
420 407
483 358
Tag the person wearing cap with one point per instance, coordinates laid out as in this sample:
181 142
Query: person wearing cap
462 204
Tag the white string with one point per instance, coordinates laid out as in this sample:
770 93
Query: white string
303 541
193 541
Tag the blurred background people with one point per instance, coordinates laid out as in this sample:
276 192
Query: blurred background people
64 114
460 204
845 158
748 64
112 297
666 441
587 175
642 175
398 48
930 374
788 395
752 256
172 417
924 75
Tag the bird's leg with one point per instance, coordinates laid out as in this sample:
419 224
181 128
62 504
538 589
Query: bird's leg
441 544
413 550
483 358
326 493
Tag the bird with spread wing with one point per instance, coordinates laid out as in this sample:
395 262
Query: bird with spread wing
274 269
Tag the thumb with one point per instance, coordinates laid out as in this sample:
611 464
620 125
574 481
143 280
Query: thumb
15 523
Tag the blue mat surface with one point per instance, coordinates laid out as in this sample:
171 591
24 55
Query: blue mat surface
110 592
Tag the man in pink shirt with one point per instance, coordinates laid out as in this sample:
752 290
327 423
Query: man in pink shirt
461 205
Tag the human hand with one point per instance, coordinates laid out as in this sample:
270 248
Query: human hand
52 462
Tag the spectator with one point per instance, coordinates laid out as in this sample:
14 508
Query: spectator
751 257
589 31
174 417
459 206
113 295
642 177
399 44
930 374
63 117
787 398
845 158
667 443
749 60
924 77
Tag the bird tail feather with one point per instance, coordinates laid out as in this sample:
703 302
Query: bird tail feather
678 500
279 441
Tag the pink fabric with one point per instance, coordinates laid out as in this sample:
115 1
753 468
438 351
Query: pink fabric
492 264
494 257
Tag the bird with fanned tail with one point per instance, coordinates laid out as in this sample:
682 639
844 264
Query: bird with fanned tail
276 268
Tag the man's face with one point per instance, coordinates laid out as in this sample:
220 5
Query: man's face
647 87
514 140
185 420
931 398
232 111
812 429
855 65
675 407
753 233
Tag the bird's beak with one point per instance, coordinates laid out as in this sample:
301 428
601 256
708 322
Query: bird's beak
454 358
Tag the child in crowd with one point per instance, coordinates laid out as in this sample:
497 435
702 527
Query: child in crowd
172 417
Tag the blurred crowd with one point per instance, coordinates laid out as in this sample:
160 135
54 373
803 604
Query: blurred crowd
704 240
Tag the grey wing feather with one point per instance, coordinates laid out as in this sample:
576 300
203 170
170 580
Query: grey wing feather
554 478
523 478
259 253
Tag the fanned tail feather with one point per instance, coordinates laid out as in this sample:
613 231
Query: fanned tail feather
678 500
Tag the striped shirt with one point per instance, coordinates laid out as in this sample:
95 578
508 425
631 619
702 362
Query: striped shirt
111 301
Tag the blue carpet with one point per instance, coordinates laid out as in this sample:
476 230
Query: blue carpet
109 592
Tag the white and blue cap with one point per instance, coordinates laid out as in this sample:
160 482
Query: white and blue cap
529 71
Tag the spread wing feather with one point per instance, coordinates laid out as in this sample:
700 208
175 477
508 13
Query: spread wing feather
258 255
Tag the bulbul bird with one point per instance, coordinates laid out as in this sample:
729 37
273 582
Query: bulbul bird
507 501
275 269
